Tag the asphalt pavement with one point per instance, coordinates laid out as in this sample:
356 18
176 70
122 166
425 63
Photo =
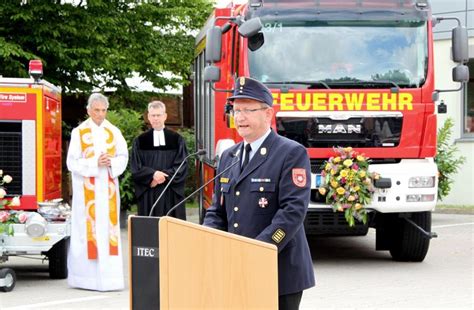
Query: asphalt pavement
350 274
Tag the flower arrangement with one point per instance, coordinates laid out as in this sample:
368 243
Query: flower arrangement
347 184
9 217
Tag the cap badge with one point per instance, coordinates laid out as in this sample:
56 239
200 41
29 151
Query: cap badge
242 81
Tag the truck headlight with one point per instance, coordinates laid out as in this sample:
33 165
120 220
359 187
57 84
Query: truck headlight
421 182
420 198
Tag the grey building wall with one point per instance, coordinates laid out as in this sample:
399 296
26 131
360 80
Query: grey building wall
462 9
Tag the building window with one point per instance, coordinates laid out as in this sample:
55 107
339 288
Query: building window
469 102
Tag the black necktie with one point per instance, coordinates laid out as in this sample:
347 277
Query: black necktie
248 148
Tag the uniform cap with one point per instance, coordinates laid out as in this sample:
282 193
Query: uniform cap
248 88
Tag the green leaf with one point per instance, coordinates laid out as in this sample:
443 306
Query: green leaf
10 230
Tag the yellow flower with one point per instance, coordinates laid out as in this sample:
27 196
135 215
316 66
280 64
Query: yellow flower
347 162
358 206
337 159
347 149
360 158
344 173
334 184
356 188
340 190
333 172
340 209
362 173
327 167
376 176
322 191
351 198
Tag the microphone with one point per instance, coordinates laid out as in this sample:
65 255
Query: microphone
199 152
233 155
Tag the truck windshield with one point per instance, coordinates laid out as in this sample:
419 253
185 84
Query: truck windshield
334 54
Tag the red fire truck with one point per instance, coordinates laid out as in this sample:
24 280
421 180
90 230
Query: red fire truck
355 73
30 152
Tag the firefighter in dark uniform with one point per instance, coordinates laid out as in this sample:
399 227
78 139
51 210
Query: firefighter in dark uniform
265 195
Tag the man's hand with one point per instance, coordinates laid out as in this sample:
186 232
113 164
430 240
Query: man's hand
153 183
104 160
158 178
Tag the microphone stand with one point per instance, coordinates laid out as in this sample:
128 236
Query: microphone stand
199 152
202 186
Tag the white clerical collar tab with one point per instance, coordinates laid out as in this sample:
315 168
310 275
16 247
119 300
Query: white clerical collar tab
158 138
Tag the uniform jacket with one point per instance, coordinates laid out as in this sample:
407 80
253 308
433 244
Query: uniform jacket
268 201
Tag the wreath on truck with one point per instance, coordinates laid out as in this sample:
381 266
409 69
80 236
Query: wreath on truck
347 184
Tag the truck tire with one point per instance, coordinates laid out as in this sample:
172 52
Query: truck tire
408 243
57 257
8 275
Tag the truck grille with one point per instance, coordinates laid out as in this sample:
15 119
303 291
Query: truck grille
355 131
11 155
317 164
331 223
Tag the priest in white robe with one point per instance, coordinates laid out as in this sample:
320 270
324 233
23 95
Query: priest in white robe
97 155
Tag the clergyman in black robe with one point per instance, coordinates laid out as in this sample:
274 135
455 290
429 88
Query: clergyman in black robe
156 155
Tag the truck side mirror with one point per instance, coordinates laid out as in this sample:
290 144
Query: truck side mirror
460 45
256 41
461 73
213 44
212 74
460 53
250 27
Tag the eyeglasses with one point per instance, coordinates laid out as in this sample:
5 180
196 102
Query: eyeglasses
245 111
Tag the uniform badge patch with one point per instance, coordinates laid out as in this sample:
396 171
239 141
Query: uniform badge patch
278 235
263 151
299 177
263 202
224 180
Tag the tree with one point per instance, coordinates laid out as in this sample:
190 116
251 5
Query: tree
447 159
96 44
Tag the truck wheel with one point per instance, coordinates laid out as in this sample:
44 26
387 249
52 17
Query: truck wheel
408 244
9 279
57 257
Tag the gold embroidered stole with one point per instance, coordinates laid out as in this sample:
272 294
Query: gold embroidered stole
87 146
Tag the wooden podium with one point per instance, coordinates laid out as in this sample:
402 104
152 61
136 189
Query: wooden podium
205 268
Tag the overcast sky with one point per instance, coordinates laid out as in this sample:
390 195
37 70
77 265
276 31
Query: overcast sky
223 3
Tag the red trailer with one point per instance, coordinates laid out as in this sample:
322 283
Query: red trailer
30 152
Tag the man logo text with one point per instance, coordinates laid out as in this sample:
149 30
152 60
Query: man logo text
340 129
